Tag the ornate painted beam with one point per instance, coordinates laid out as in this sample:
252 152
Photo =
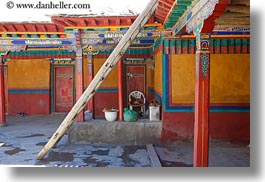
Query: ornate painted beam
196 14
34 42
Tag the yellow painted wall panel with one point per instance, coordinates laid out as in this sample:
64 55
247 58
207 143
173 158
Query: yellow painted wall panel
150 76
85 72
28 74
230 78
112 79
183 78
158 73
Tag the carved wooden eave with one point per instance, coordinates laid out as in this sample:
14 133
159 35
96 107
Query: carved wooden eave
200 14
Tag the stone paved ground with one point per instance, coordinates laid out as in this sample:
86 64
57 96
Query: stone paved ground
24 137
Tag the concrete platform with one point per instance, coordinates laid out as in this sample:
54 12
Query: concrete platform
141 132
23 138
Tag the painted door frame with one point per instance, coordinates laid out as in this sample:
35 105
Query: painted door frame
53 83
125 101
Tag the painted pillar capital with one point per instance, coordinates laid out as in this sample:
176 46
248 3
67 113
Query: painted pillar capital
1 57
90 50
203 55
203 42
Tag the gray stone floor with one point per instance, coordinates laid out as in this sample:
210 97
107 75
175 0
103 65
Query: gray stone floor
24 137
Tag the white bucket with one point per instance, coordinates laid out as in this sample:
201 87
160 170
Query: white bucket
111 115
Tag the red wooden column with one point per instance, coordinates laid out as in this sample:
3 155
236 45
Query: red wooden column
120 89
201 126
90 73
79 83
2 95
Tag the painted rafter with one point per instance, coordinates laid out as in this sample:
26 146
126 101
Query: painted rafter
175 12
168 14
101 21
169 4
31 27
161 13
164 6
163 9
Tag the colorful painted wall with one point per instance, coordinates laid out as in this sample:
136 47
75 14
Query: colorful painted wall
158 76
229 94
155 73
150 79
107 95
29 86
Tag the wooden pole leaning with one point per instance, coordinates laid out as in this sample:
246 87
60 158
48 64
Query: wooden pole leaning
101 75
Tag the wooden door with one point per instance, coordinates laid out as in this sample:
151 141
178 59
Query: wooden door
135 79
63 88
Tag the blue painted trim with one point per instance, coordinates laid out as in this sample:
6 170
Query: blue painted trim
229 33
164 82
157 96
107 90
229 108
41 41
212 109
43 91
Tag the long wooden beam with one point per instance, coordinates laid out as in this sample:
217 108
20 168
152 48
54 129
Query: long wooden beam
234 15
229 25
100 76
233 20
153 156
238 9
241 2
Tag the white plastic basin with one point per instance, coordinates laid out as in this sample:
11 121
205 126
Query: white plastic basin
111 115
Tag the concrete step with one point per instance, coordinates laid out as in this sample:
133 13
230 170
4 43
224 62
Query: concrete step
141 132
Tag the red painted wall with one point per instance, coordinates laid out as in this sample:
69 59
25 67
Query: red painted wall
177 125
31 104
29 86
229 126
104 100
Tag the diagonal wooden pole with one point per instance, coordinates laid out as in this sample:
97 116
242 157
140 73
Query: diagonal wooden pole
100 76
